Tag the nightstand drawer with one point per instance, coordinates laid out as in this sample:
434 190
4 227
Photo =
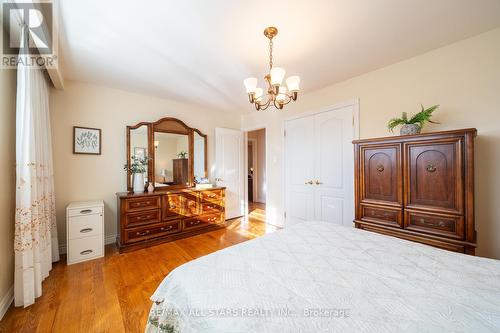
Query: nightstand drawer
85 211
85 226
85 248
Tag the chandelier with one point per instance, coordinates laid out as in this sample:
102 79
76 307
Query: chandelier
277 94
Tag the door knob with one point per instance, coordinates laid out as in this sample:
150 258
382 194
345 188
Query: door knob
318 182
309 182
219 179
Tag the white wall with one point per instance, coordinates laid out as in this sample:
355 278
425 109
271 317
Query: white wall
464 78
87 177
7 180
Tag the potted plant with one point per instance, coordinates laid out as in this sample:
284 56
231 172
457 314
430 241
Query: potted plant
182 154
137 168
414 124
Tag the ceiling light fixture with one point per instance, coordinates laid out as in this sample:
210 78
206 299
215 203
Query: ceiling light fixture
277 94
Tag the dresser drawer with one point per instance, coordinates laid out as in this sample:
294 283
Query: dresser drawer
85 211
84 226
141 218
382 215
212 207
144 233
172 206
194 223
144 203
439 225
212 196
86 248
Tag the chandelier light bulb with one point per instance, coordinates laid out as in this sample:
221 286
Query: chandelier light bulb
250 84
258 94
277 75
293 83
281 97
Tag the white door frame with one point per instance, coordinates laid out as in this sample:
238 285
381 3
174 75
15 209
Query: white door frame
245 141
354 103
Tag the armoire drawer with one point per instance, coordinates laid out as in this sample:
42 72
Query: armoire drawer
152 231
146 203
382 215
439 225
143 217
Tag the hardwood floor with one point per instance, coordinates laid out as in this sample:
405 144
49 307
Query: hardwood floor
111 294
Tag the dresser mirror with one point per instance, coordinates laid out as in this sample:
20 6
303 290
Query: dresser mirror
177 152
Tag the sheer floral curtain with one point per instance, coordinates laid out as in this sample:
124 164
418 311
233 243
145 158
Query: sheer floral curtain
35 243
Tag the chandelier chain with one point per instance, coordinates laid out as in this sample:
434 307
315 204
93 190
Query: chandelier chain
270 53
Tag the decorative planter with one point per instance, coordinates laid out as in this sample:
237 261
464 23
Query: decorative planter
138 181
410 129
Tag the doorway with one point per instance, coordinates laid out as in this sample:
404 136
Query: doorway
256 172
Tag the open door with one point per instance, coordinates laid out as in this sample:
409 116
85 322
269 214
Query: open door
229 169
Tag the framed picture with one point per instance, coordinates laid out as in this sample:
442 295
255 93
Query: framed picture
86 140
140 152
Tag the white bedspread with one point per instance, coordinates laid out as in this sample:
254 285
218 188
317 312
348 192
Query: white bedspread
318 277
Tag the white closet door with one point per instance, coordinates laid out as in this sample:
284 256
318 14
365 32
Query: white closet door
333 151
299 169
229 169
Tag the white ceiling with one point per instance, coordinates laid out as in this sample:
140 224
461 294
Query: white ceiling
200 51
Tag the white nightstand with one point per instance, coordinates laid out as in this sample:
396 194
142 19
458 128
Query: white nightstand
84 231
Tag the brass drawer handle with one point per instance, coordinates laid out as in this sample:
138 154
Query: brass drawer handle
173 206
85 230
380 168
86 252
439 223
431 168
170 227
86 211
138 233
195 222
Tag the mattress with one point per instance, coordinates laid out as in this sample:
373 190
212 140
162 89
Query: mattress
319 277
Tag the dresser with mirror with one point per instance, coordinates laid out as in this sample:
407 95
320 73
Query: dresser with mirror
177 207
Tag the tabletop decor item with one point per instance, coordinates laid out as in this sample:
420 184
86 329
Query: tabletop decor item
182 154
137 168
414 124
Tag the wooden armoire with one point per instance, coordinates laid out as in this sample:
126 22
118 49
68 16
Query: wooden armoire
418 187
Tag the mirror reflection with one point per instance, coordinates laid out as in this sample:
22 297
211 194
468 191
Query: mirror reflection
171 159
139 146
199 156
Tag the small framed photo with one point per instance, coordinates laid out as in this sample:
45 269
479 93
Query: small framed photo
86 140
140 152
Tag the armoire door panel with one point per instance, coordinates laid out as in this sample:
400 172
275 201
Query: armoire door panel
434 179
381 174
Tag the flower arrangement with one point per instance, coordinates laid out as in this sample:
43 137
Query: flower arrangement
138 164
182 154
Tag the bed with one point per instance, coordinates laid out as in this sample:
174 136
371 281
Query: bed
319 277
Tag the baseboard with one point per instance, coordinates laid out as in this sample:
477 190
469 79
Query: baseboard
108 239
6 301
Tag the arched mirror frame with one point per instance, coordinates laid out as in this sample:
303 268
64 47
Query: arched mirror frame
179 127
